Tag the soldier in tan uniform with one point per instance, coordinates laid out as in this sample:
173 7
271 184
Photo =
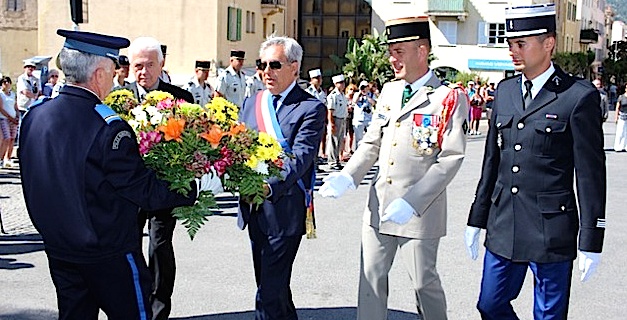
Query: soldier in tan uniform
337 106
417 135
232 81
198 85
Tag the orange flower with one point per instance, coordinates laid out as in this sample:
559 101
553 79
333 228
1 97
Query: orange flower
235 129
214 135
173 129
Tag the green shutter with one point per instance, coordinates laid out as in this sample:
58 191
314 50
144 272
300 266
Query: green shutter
239 25
228 24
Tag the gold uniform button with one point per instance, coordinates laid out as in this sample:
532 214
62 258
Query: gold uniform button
394 144
388 180
398 124
521 125
391 162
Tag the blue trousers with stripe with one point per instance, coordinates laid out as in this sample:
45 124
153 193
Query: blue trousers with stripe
118 286
503 280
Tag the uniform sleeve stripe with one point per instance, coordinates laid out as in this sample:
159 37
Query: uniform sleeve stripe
107 114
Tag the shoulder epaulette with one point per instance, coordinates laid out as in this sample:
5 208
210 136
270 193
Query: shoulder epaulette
41 100
107 114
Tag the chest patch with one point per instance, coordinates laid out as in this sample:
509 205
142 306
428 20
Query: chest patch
118 138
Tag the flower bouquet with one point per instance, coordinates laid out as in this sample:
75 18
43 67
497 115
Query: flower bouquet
181 141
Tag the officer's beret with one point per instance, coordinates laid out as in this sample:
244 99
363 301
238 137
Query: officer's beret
204 65
238 54
338 78
94 43
529 20
164 49
407 29
314 73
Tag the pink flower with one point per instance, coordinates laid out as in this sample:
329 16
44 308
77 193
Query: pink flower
165 104
147 140
220 167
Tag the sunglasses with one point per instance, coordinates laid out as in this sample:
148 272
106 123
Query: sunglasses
274 65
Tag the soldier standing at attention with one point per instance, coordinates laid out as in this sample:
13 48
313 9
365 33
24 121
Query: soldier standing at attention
254 83
232 81
337 104
544 135
198 85
418 137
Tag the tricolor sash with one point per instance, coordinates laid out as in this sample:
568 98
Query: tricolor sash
268 122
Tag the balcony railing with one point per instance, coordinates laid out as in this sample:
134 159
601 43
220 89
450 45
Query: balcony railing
588 36
273 2
448 8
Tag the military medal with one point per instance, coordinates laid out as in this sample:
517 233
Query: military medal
424 133
499 140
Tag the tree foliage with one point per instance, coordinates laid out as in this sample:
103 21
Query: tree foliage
367 60
575 63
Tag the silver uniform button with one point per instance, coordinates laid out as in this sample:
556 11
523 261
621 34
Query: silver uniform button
514 190
548 129
563 208
517 147
515 169
521 125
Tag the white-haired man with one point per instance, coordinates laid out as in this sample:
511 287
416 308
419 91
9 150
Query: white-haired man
146 59
83 196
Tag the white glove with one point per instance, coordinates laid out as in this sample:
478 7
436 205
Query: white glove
398 211
335 184
209 182
588 262
472 241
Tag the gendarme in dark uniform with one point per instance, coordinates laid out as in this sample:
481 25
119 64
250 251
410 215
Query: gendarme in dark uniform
84 182
539 144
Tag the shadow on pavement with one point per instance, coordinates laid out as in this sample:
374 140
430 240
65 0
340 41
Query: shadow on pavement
29 315
18 244
304 314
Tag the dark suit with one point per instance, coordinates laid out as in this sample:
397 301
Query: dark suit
525 198
83 197
161 228
277 226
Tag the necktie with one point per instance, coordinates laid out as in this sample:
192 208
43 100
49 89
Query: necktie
406 95
528 98
275 100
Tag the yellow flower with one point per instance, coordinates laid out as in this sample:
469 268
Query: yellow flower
265 138
190 110
155 96
118 97
252 162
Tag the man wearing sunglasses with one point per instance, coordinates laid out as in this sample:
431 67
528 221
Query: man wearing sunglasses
277 226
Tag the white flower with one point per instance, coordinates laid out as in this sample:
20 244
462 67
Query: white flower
262 168
424 145
433 138
141 116
156 119
152 111
134 124
135 111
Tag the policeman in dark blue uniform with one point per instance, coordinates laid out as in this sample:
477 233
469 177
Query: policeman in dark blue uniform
545 132
84 182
